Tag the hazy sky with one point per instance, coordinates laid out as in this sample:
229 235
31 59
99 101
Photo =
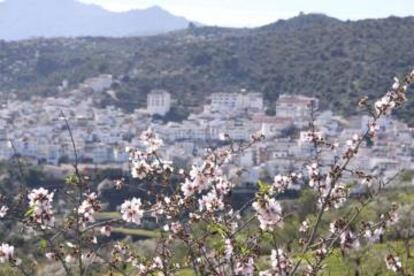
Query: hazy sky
258 12
241 13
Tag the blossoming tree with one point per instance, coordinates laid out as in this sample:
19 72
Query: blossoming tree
198 214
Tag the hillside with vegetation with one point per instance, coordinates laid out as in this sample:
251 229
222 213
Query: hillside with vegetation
337 61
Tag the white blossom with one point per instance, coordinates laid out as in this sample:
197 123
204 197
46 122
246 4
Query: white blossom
393 98
6 253
151 140
3 211
384 105
269 213
88 208
321 251
245 268
374 235
119 184
391 218
348 240
222 185
211 202
157 263
228 249
106 230
51 256
281 183
198 181
313 137
40 201
313 172
174 227
189 188
334 197
393 263
69 258
281 264
372 129
304 226
131 211
140 169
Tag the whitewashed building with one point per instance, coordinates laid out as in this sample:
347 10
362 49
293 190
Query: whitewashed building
272 126
158 102
238 101
298 107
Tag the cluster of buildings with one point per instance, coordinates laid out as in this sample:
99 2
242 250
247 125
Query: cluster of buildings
285 149
239 115
37 130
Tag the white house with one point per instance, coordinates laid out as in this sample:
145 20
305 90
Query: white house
158 102
298 107
272 126
224 101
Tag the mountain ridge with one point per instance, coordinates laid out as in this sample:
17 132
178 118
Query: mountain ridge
302 21
25 19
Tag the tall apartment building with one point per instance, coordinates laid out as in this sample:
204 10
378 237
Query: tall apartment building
158 102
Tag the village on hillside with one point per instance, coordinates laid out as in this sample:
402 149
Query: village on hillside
36 131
